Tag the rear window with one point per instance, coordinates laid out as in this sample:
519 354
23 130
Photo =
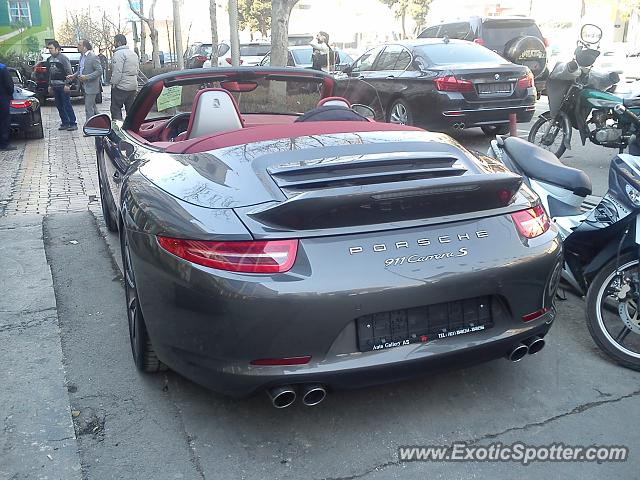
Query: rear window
254 50
205 50
448 53
500 33
302 55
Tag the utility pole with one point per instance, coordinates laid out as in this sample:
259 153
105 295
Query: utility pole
235 37
177 31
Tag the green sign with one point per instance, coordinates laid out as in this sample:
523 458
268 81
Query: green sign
169 98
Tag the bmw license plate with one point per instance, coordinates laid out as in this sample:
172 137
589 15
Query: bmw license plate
396 328
501 87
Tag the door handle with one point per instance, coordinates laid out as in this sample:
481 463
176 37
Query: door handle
390 76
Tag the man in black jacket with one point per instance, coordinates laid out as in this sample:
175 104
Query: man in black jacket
58 67
6 94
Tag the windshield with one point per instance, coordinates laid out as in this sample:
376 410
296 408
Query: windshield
254 50
290 96
302 56
448 53
500 33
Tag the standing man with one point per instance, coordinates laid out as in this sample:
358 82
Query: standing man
58 67
6 94
89 73
124 77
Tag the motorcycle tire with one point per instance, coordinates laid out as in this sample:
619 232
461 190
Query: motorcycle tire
539 127
606 326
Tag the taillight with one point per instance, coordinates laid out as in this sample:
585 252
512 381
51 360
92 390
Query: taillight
479 41
545 41
526 81
271 256
201 58
531 223
452 84
230 62
21 103
537 314
40 69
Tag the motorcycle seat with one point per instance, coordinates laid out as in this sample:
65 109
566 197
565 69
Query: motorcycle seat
540 164
631 102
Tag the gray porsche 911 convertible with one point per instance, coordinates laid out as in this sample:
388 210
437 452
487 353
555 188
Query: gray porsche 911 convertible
275 238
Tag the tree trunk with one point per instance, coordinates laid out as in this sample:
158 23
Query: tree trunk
233 32
177 29
280 13
214 32
143 33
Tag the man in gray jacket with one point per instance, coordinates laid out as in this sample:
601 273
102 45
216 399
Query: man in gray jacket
89 73
124 77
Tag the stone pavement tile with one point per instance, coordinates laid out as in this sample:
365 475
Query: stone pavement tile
38 440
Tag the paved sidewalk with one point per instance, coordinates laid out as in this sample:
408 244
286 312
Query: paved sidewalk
54 175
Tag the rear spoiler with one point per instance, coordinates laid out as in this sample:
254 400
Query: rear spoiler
355 205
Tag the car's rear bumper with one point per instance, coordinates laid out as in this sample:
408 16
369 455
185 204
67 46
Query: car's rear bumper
209 325
23 119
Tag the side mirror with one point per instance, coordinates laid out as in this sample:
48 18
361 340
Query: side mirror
364 110
590 33
98 126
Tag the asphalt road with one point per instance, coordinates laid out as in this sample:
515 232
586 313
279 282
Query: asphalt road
132 425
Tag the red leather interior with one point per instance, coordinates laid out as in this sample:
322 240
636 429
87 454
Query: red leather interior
151 130
261 133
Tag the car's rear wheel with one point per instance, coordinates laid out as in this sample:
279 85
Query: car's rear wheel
38 130
493 130
144 356
400 113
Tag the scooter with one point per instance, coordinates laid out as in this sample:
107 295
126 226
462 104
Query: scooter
580 98
601 241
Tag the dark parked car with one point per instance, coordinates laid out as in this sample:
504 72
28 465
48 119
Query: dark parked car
518 39
40 75
441 84
25 114
300 56
263 250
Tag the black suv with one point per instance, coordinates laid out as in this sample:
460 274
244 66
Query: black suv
518 39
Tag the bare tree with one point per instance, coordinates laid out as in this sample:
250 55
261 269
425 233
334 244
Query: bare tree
214 32
233 32
153 31
280 13
177 31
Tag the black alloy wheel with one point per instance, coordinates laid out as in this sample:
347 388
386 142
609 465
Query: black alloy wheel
144 355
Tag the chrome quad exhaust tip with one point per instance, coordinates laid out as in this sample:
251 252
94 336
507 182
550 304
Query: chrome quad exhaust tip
282 397
313 394
518 353
535 344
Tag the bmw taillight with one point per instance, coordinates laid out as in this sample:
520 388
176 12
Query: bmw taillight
479 41
40 69
452 84
21 103
526 81
270 256
531 223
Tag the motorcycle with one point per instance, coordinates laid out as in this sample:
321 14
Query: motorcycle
601 241
580 98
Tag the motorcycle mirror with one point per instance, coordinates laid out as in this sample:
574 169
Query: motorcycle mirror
590 33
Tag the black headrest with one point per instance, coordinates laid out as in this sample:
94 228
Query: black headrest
331 113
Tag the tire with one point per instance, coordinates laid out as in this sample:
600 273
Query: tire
99 98
493 130
400 113
109 219
144 355
537 131
528 51
605 324
36 132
